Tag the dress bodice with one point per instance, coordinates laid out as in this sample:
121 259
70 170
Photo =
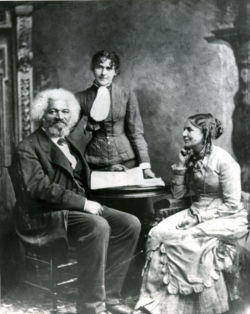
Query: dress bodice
204 178
119 137
215 183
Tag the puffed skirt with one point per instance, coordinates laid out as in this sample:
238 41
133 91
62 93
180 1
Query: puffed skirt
183 269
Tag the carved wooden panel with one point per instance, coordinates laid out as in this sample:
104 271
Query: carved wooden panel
5 133
5 19
5 111
24 69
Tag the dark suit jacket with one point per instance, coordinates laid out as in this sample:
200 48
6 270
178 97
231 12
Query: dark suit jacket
119 137
45 189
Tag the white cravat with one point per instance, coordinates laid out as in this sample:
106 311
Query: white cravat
64 147
101 105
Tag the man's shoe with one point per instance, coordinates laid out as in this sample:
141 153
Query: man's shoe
119 308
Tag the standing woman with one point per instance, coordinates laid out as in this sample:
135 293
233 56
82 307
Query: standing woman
187 252
114 119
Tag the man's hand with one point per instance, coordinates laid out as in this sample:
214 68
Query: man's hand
148 173
93 208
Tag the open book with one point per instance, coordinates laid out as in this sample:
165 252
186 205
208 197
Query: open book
131 177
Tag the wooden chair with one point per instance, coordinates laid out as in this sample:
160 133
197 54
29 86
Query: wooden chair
44 270
167 206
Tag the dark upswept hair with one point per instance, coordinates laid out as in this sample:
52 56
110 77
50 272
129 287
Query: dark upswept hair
102 55
211 128
209 125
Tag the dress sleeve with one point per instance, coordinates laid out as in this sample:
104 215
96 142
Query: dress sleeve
230 184
178 186
86 99
81 98
134 129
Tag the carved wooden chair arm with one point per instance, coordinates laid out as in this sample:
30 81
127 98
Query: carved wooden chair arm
167 206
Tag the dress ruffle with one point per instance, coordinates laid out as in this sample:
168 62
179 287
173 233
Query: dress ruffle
172 296
223 259
183 272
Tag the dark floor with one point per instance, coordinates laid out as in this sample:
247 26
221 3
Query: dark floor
22 301
26 300
21 298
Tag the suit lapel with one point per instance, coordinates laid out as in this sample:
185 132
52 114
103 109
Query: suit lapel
55 155
74 146
58 158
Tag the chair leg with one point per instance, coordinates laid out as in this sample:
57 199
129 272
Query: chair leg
53 281
0 288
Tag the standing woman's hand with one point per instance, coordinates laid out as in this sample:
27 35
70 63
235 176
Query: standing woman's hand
118 167
148 173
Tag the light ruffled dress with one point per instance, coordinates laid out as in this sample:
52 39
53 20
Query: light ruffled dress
183 270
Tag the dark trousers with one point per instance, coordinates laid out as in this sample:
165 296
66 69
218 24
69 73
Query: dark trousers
105 245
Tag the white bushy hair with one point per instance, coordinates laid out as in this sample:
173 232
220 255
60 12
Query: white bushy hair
41 102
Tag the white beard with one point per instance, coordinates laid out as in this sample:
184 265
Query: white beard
57 130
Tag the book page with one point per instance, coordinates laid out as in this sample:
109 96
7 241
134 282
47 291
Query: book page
131 177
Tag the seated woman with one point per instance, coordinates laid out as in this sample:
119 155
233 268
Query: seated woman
187 251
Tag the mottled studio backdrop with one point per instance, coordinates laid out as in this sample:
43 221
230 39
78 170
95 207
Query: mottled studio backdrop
174 71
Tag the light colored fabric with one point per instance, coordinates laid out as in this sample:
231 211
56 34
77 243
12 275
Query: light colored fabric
187 262
101 105
213 300
145 165
64 147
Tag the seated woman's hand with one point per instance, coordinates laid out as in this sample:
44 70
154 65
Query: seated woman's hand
148 173
188 222
118 167
184 156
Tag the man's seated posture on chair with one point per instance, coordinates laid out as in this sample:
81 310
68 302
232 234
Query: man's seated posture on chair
50 177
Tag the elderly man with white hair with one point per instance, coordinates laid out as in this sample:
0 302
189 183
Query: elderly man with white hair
50 178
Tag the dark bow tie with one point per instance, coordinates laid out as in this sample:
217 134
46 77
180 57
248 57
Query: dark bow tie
61 141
